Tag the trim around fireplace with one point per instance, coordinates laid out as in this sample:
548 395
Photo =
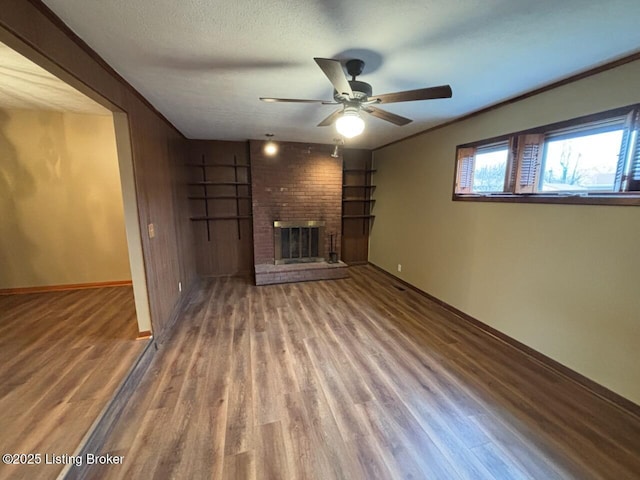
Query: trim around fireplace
309 223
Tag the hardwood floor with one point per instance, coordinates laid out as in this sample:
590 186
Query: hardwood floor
62 355
356 379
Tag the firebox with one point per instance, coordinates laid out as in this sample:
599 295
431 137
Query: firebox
298 242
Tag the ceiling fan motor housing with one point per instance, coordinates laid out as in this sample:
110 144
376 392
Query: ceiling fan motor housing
355 67
361 91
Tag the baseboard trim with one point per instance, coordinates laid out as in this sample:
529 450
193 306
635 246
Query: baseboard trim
593 387
145 334
177 310
103 426
248 273
61 288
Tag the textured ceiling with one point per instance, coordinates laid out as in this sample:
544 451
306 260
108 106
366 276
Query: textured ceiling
25 85
204 63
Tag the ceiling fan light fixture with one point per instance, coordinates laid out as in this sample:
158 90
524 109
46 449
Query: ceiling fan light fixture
350 124
270 148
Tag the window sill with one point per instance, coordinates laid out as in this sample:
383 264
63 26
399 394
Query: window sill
621 199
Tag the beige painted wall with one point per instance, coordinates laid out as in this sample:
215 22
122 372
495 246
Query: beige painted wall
562 279
60 200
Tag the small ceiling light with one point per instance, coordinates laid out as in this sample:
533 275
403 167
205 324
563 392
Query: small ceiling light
336 148
350 124
270 148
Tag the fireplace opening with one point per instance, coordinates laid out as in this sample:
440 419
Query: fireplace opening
298 242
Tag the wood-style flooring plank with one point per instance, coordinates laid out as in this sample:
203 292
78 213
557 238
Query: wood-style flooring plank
272 455
356 379
62 356
241 466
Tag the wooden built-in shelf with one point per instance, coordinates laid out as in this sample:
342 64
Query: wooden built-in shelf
218 183
221 165
357 204
218 197
205 196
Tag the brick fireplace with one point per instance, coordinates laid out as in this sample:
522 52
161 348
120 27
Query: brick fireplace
300 185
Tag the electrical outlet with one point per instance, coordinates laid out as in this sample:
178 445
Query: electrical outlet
399 267
179 286
152 230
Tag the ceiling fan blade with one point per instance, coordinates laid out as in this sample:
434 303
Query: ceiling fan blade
334 72
443 91
330 119
294 100
388 116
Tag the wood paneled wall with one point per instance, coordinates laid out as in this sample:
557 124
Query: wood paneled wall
158 149
224 244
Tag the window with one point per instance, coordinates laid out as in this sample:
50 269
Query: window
490 168
582 159
594 159
483 169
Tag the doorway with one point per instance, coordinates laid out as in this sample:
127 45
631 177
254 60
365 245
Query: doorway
73 301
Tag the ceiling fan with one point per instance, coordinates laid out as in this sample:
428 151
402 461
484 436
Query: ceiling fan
356 96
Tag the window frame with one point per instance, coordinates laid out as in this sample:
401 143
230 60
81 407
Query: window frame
516 193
